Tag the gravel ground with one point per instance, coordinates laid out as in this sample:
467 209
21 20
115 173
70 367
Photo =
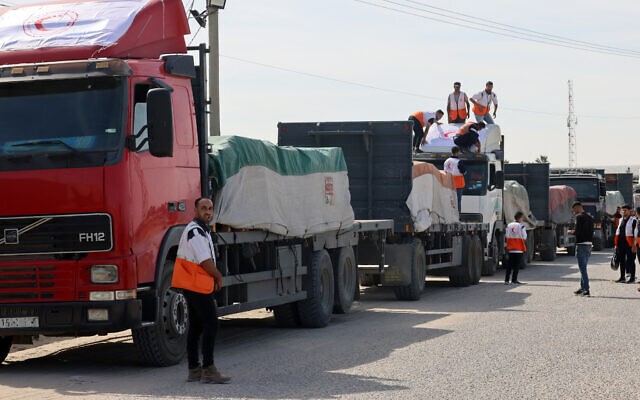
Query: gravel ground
491 341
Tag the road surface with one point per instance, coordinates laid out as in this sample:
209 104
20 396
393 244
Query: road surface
490 341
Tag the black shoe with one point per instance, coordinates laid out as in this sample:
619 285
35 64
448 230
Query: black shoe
517 283
507 283
631 280
621 280
579 291
585 294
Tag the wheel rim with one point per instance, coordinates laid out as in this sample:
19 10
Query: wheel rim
175 314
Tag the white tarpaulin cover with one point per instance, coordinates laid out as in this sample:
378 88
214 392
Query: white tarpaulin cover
285 190
516 198
440 138
97 23
433 197
612 201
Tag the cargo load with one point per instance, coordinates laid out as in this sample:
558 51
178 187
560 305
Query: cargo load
516 198
433 197
613 200
285 190
561 197
440 138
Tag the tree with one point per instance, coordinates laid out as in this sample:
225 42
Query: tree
542 159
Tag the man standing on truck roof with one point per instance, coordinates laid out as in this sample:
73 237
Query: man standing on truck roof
196 274
468 136
625 245
516 236
422 121
584 242
457 105
482 104
455 167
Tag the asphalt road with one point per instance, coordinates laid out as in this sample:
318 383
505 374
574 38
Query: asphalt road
490 341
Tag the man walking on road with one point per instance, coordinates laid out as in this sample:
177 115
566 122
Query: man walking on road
457 105
516 236
625 245
584 240
482 104
196 274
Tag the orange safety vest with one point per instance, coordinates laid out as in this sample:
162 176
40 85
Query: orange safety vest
451 166
628 232
483 110
464 129
187 273
516 236
423 117
457 110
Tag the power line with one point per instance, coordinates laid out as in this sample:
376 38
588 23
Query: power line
382 89
485 28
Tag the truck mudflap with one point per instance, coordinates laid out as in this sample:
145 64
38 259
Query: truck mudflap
77 318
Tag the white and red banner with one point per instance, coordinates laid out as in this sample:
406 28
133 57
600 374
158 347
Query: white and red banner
97 23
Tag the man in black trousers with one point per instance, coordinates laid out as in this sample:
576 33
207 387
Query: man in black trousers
626 246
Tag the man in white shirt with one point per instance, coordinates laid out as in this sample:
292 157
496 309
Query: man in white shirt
482 104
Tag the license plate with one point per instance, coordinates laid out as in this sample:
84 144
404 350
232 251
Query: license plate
21 322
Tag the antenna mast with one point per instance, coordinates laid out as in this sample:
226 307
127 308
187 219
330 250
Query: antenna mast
572 121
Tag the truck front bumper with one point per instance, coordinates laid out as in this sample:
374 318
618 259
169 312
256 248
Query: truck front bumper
70 318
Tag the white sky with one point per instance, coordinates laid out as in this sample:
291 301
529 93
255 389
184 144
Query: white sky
350 41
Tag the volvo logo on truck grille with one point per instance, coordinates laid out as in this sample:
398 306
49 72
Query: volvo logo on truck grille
55 234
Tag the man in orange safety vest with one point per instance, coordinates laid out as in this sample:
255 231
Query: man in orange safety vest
457 105
516 236
482 104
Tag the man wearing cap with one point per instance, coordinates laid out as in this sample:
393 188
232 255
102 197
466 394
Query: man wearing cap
457 105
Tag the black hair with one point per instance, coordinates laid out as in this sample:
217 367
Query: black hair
576 204
627 206
440 112
481 124
455 149
518 215
489 83
199 199
457 83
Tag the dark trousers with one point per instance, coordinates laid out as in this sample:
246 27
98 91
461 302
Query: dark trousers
513 265
203 323
417 131
627 261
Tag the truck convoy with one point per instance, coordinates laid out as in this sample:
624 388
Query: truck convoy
550 207
590 186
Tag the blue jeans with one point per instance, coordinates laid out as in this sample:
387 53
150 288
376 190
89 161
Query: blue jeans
486 118
459 193
583 252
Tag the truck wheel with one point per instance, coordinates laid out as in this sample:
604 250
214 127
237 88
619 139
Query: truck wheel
345 272
463 275
490 266
531 248
165 343
478 259
315 311
286 315
548 252
412 291
5 346
597 242
571 250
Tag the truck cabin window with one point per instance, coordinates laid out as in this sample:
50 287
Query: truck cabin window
61 123
140 115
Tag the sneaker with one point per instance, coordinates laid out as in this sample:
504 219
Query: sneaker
579 291
621 280
211 375
585 293
517 283
507 283
631 280
194 374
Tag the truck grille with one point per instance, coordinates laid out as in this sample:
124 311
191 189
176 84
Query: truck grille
55 234
34 283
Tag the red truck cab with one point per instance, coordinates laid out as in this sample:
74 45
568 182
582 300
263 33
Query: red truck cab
100 160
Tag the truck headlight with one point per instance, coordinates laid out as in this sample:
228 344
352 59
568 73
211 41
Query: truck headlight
104 274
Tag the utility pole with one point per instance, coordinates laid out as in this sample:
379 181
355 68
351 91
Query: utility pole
214 73
572 121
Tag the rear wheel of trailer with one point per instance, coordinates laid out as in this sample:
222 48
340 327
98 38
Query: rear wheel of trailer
315 311
345 274
413 290
464 274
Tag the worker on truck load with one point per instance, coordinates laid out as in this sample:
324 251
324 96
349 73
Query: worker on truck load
196 274
516 235
625 245
482 104
457 105
455 167
468 136
422 121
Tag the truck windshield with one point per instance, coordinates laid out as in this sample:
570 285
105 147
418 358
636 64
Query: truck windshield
61 123
586 189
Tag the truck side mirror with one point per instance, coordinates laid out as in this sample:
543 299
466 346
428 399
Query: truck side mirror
499 179
160 122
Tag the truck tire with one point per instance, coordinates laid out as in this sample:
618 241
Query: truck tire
478 259
345 273
548 252
165 343
412 291
5 346
490 266
286 315
597 241
463 275
315 310
531 248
